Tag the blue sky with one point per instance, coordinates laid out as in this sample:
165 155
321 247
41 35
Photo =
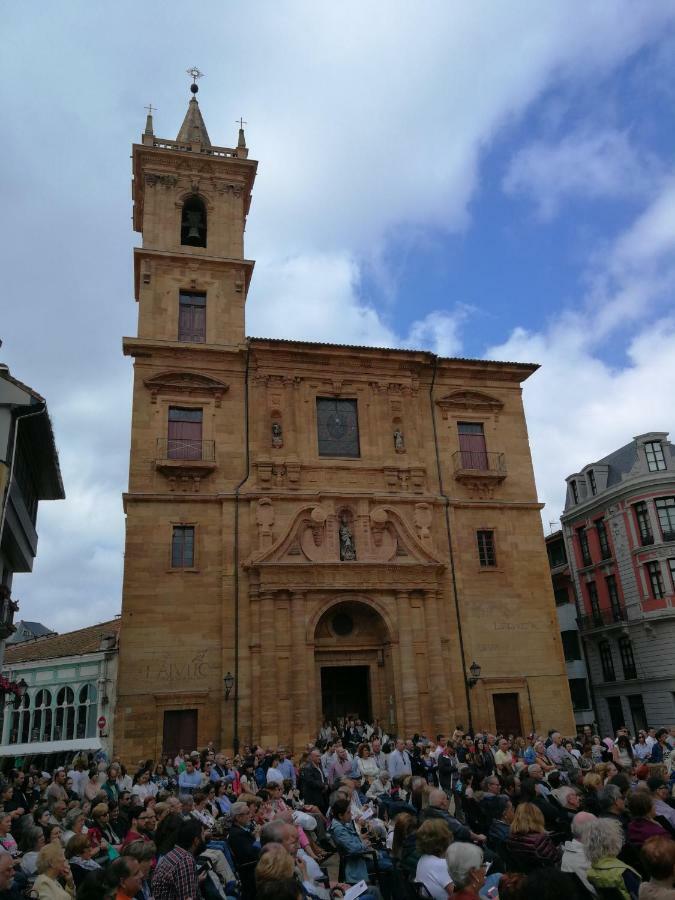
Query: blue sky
482 179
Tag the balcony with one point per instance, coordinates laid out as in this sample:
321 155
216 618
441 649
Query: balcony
602 618
178 457
479 465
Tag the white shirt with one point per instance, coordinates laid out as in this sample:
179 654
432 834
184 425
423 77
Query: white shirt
274 776
432 872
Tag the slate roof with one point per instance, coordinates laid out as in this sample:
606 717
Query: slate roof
620 462
26 631
72 643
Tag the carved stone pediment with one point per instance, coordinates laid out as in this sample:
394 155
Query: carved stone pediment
381 537
469 401
190 383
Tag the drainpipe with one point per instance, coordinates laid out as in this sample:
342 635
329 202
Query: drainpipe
235 739
35 410
446 500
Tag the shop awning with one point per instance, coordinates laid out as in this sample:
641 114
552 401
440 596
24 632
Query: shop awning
44 747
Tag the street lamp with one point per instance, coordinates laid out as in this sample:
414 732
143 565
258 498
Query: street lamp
228 681
475 670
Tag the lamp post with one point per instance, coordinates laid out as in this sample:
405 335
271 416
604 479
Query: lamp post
475 670
471 682
228 681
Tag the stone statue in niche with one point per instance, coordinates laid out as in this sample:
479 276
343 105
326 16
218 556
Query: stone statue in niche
399 443
277 435
347 549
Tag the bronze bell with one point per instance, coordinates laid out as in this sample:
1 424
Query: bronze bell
194 223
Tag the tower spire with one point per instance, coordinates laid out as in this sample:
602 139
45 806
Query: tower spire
193 130
242 149
148 120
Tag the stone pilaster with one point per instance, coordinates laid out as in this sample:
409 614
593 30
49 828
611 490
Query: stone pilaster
302 714
268 708
409 690
439 674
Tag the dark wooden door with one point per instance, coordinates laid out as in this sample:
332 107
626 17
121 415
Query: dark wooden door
507 714
345 691
184 433
180 731
472 445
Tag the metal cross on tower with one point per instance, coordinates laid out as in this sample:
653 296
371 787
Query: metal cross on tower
194 74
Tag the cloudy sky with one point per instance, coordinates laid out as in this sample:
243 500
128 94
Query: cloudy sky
489 179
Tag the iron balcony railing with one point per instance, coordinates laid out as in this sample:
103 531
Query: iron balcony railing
185 448
479 461
602 617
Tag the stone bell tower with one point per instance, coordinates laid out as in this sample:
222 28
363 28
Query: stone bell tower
188 448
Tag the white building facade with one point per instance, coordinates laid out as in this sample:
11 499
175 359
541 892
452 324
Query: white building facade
71 683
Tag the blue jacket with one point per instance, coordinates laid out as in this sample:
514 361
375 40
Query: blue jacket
349 844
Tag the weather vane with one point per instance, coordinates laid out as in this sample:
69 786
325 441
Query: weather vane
150 108
240 122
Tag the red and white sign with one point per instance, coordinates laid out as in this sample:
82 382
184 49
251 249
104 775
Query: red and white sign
101 722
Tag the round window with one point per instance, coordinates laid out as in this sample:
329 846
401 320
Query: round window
343 624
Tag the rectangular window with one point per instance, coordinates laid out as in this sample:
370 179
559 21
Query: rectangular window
183 547
644 525
192 317
655 459
637 711
575 491
614 602
585 549
656 579
556 553
606 661
627 658
591 480
571 646
486 548
592 589
579 693
184 437
665 509
671 567
561 595
615 710
472 445
603 540
338 427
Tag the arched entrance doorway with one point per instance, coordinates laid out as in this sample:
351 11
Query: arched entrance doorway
353 664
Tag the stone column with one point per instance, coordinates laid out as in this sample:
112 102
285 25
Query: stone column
301 700
408 676
439 669
268 710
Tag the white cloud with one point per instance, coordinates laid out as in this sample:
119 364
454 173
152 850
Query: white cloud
579 408
587 164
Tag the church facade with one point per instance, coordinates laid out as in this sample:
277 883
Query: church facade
312 530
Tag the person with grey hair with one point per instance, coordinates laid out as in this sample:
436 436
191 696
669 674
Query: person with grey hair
465 864
379 785
611 804
602 841
574 857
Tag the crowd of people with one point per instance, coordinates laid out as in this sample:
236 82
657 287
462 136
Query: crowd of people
357 813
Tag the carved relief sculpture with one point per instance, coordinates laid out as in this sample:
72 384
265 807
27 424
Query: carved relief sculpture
347 549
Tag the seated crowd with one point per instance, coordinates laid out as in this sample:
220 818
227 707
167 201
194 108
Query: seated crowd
358 813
